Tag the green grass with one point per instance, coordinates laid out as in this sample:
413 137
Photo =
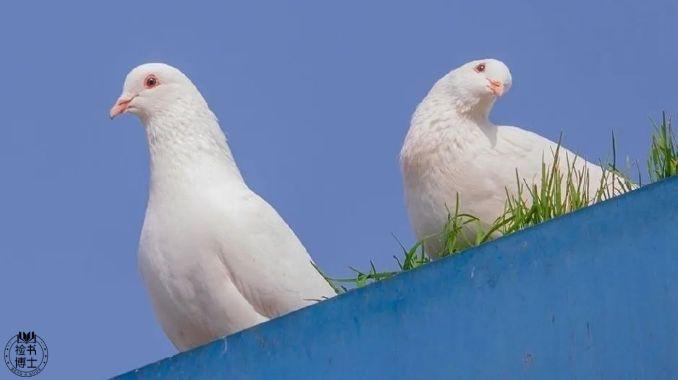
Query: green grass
559 192
663 158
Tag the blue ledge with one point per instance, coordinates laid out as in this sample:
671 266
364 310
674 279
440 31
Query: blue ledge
593 294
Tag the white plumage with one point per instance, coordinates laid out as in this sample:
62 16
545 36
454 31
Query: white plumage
452 148
215 257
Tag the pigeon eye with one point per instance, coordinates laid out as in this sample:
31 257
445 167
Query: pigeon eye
480 68
150 81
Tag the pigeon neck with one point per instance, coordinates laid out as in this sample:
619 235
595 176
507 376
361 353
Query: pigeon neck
187 147
477 112
460 109
449 94
477 116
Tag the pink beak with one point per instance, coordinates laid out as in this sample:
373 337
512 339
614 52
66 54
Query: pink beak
496 87
121 105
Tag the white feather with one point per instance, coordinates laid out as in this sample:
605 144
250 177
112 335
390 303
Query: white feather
452 148
215 257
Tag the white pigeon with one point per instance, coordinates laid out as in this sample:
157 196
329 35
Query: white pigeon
215 257
453 148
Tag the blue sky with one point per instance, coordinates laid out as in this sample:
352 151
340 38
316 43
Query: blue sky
315 98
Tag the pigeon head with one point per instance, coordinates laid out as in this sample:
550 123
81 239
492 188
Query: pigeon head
475 86
152 88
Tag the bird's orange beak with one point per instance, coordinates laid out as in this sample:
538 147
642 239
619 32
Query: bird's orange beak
121 105
496 87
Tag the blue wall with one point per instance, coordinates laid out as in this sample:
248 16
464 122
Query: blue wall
593 294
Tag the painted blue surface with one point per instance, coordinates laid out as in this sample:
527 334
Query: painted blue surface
590 295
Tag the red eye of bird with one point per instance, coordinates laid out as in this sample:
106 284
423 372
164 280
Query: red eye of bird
480 68
150 81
